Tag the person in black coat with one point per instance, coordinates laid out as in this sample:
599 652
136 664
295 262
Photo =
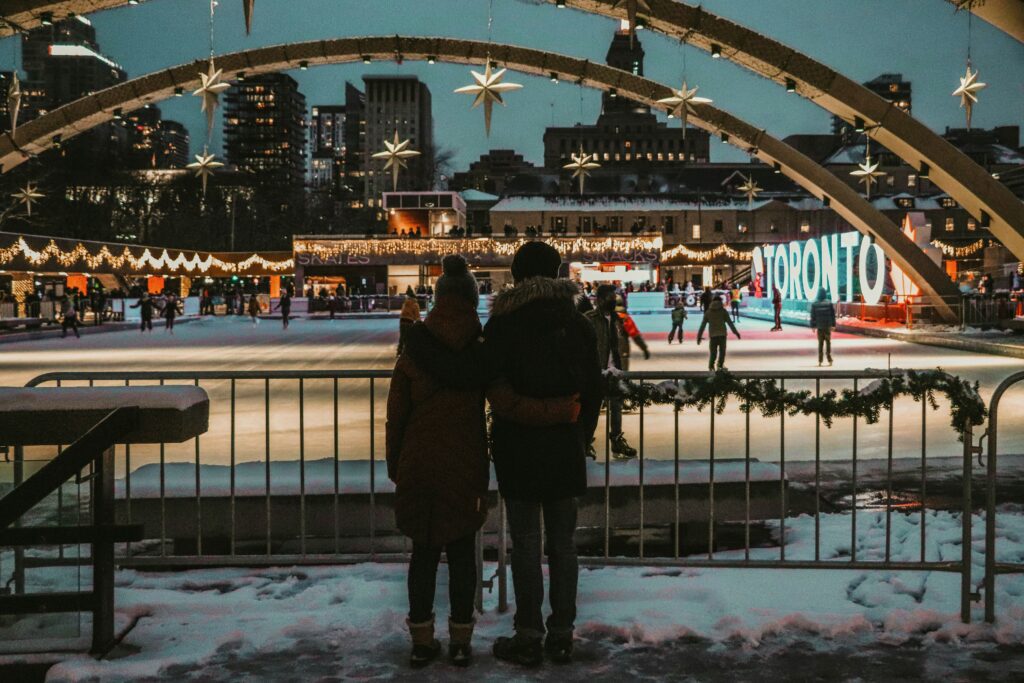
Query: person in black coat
145 306
543 347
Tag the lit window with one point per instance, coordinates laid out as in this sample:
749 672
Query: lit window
911 180
972 225
741 228
695 231
805 227
949 225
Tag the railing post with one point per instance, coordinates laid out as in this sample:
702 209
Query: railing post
19 552
103 553
965 539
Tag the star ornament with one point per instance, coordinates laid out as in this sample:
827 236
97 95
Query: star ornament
28 196
210 89
247 8
204 166
14 100
750 188
868 173
680 104
396 154
487 89
968 92
632 8
581 165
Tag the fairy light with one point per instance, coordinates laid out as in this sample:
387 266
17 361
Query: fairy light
163 261
681 251
469 247
959 252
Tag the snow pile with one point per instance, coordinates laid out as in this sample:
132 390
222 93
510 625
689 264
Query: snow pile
349 621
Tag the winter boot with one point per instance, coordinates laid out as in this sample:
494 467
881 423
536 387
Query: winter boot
519 649
459 637
425 647
591 451
621 447
558 648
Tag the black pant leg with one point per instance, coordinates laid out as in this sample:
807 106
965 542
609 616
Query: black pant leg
422 582
462 576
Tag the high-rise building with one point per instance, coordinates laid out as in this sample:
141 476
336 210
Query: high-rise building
175 139
626 135
402 104
265 128
154 142
61 63
326 146
352 184
890 87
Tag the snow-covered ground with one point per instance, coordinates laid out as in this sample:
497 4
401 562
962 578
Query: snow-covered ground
232 343
332 623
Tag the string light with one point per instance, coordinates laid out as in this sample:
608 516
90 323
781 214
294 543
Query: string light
190 264
472 248
959 252
681 252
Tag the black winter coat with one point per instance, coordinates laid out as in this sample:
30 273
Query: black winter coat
543 348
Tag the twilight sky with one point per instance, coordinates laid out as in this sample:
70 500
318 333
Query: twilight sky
922 39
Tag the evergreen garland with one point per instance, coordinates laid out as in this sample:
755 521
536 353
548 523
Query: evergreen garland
767 397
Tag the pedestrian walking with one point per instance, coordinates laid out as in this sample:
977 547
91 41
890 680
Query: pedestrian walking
715 319
735 295
543 347
70 317
823 319
436 444
705 298
254 309
777 306
145 306
678 318
284 304
410 315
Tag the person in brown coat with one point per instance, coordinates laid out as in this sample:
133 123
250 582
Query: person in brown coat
410 314
437 454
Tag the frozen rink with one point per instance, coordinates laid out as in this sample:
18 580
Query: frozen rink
234 344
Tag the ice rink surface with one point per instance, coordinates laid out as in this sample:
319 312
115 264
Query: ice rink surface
235 344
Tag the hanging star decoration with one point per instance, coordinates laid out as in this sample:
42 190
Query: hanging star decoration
247 8
14 100
488 89
210 89
968 92
204 166
750 188
868 174
581 166
632 8
681 103
396 154
28 196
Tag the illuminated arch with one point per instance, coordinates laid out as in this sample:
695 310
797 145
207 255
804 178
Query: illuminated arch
73 118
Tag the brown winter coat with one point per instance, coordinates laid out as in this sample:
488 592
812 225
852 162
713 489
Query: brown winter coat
410 310
436 430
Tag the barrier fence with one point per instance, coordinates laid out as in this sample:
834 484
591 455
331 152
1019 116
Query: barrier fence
291 509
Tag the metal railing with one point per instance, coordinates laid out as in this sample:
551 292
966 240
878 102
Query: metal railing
992 567
650 504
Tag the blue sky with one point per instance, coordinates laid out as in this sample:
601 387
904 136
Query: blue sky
922 39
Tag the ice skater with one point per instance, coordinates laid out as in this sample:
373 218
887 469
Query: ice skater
70 317
823 319
734 299
716 318
777 307
678 318
254 310
170 311
145 306
285 306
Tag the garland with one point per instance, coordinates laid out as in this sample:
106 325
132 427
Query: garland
766 396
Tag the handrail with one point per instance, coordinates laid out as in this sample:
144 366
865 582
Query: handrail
87 449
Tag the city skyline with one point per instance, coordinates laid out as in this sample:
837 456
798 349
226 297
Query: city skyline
542 103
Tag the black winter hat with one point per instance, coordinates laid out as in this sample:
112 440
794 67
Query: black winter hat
456 280
536 259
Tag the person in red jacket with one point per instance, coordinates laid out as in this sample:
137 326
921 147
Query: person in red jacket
436 443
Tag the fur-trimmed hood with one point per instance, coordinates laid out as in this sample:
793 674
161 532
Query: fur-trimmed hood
533 289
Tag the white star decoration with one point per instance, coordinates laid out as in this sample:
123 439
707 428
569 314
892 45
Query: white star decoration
396 153
681 103
488 89
868 173
204 166
210 90
28 195
632 7
749 188
14 100
967 92
247 8
581 165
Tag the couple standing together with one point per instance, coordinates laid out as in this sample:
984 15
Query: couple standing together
536 364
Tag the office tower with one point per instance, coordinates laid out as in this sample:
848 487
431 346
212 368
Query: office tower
402 104
265 128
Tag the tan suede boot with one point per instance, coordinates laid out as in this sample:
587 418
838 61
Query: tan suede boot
425 648
460 653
